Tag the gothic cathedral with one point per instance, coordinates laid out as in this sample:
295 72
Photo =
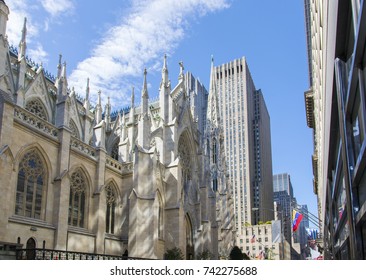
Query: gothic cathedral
138 181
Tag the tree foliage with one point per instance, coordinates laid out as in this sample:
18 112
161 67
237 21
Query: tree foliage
174 254
236 254
205 255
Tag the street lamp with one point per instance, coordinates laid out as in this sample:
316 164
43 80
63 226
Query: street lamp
282 227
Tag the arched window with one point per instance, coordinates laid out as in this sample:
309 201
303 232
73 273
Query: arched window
30 186
36 107
77 199
114 152
74 129
160 219
185 158
111 208
214 152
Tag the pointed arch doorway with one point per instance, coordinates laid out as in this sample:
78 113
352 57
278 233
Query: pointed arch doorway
31 249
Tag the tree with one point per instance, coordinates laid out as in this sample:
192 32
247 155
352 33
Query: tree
174 254
236 254
245 257
205 255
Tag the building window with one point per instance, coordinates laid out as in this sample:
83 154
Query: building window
30 186
362 191
77 199
160 219
214 152
111 208
36 107
185 158
74 129
357 125
214 185
114 151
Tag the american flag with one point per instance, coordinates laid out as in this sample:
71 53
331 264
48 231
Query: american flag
252 240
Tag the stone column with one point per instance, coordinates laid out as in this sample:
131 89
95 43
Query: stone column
62 190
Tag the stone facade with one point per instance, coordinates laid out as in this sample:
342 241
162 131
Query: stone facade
77 178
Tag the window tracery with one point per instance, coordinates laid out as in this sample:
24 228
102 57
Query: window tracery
36 107
74 129
185 158
111 199
30 186
77 199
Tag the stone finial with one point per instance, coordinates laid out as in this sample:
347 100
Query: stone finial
144 87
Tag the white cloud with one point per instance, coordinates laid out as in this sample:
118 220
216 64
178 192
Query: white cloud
153 27
57 7
38 54
19 9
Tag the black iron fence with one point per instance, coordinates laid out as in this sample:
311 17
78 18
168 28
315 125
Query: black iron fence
46 254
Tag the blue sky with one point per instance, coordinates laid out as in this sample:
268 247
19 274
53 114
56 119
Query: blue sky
112 41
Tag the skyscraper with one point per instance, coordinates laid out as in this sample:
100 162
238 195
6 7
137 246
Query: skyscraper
246 125
283 195
282 182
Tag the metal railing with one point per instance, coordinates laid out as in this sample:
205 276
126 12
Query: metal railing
47 254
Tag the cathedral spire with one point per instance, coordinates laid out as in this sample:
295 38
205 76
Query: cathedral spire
63 73
164 92
144 124
145 95
23 43
98 109
133 98
123 126
213 98
164 74
212 78
132 111
61 81
59 66
64 79
144 87
108 113
87 101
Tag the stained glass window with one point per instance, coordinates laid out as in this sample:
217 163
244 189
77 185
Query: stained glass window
30 186
77 200
111 208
